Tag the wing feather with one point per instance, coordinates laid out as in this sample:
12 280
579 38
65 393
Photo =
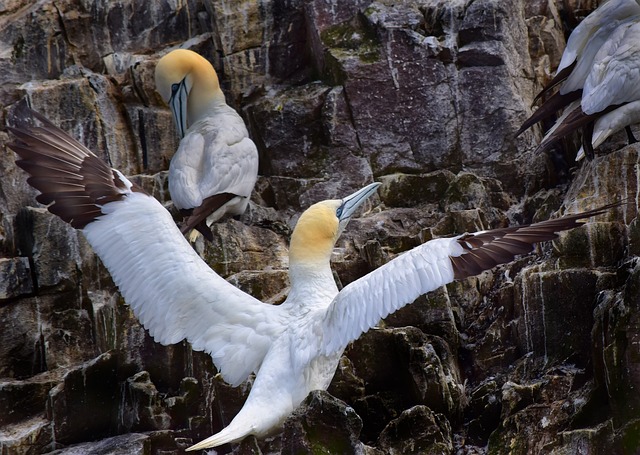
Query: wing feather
362 303
216 156
613 80
173 293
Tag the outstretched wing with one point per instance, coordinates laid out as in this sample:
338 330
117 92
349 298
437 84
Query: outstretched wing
174 294
362 303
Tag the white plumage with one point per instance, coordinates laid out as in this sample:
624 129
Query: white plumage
605 77
174 294
293 348
215 167
615 75
607 12
612 89
215 156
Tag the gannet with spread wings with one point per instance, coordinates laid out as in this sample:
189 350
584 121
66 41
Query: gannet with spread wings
215 167
293 348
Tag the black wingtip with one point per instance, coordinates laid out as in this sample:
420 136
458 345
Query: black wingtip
485 250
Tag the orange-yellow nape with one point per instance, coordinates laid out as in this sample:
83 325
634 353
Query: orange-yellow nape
183 66
180 63
315 233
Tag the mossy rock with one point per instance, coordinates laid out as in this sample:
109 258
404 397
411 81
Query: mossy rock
352 38
597 243
405 190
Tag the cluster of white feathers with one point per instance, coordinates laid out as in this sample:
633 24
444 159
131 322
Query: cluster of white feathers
603 57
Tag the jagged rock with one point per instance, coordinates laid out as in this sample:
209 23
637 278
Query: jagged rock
417 430
21 344
86 402
557 327
599 439
432 314
128 444
402 190
43 334
157 442
237 248
20 399
52 246
322 424
15 277
346 384
401 368
267 286
615 331
534 414
27 437
143 408
483 411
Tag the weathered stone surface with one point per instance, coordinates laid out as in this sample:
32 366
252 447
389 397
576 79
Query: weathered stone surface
402 368
417 431
85 402
322 424
20 399
15 277
28 437
129 444
423 96
52 246
401 190
615 334
534 414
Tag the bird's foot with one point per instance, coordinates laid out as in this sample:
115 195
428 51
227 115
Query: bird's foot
193 236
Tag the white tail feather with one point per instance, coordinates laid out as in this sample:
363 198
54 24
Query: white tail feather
229 434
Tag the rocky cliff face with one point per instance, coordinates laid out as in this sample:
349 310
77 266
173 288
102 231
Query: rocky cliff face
538 356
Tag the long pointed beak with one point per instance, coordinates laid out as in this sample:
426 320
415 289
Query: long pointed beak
355 200
178 105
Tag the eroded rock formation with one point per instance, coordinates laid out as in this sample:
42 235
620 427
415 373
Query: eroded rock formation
538 356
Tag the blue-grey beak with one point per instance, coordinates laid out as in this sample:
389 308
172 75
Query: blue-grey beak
355 200
178 105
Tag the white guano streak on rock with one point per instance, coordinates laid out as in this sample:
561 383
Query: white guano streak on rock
392 69
541 282
527 335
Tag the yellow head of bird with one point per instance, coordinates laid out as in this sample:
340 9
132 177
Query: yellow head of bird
315 233
189 84
321 224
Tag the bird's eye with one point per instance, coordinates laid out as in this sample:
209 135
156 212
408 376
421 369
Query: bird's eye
174 88
339 212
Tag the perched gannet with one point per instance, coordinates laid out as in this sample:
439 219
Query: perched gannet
293 348
609 11
612 122
216 165
610 91
576 60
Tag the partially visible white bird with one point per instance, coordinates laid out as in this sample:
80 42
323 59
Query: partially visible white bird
293 348
610 90
609 11
612 122
215 167
576 62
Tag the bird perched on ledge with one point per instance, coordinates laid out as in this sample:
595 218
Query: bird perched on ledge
292 348
215 167
596 76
